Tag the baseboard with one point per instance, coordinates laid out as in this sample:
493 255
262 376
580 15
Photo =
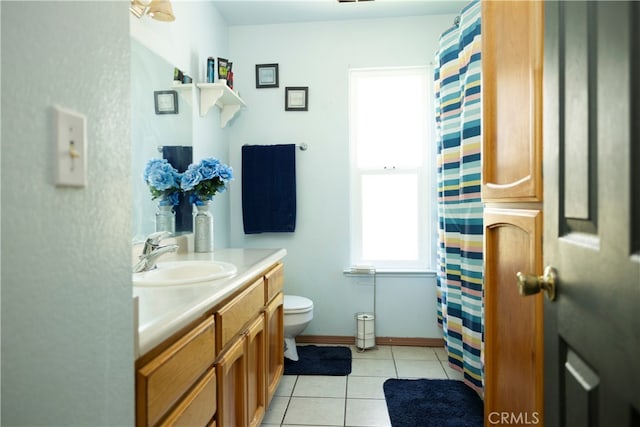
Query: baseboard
349 340
415 342
325 339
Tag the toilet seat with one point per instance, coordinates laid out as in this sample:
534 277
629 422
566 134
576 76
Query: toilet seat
294 304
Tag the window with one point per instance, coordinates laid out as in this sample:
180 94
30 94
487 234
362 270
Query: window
392 182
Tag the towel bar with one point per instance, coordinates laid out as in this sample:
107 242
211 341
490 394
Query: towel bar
301 147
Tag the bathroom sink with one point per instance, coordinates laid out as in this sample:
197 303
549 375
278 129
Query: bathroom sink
173 273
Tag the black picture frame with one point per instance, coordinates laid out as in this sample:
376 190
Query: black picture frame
267 76
296 98
166 101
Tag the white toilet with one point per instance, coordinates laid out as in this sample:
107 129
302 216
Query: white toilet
298 312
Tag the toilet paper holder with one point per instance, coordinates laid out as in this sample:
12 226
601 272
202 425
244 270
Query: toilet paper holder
365 331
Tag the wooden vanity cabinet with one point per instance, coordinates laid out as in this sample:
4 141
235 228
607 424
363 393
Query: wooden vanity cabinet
224 371
163 382
249 376
232 377
232 317
197 407
241 368
512 183
256 372
274 319
274 316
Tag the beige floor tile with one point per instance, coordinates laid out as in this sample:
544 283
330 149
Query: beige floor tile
311 410
420 369
379 352
365 387
373 368
285 388
413 353
367 412
320 386
358 399
441 353
276 410
452 373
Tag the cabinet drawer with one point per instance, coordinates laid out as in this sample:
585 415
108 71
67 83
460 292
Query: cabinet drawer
274 282
163 381
198 407
231 318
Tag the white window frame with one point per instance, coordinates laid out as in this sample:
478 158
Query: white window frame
426 197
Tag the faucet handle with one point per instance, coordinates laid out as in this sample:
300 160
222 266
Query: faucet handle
154 238
153 241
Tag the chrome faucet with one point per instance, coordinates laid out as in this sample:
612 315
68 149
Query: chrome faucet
152 251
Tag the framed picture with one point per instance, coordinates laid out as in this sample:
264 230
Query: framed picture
166 101
266 75
296 98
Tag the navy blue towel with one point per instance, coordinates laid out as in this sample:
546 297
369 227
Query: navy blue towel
269 188
180 157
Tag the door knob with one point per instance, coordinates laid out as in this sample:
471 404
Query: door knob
529 284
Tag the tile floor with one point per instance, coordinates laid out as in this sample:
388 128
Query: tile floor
356 400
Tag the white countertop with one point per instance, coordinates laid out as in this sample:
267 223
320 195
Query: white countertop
163 311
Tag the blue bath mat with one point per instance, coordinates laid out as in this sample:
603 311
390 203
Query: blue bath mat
432 403
320 360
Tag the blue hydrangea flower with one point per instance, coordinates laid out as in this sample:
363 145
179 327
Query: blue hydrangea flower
163 181
225 173
172 199
191 177
209 168
204 180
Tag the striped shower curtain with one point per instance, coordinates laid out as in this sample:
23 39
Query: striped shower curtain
458 134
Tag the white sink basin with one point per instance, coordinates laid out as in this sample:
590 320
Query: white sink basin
173 273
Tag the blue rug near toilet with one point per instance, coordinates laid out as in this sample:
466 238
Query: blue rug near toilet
432 403
320 360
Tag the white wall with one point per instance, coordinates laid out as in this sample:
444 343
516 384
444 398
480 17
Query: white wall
318 55
197 33
67 336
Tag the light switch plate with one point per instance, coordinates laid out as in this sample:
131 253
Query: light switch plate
70 155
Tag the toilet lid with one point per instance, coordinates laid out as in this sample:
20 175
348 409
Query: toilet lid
296 304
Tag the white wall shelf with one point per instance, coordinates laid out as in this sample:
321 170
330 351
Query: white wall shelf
221 95
185 90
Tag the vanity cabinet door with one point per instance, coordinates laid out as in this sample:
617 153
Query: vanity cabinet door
163 381
231 372
512 56
513 349
199 407
275 343
256 367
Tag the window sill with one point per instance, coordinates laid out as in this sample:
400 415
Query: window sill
392 272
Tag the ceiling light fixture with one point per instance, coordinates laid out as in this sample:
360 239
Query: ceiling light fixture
160 10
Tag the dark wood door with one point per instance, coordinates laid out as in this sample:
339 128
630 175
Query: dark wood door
591 216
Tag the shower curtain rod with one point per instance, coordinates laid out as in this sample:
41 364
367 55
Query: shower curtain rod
160 147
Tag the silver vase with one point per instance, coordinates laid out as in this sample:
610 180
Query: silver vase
203 228
166 219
